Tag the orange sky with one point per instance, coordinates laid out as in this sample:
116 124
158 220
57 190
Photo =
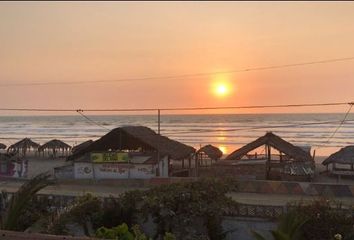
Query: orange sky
88 41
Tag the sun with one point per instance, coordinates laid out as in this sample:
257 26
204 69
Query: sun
221 89
221 86
223 149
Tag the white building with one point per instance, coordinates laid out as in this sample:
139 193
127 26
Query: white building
134 152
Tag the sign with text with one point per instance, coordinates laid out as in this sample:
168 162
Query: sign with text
109 157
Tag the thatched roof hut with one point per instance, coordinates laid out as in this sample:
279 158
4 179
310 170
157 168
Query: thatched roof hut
343 156
292 163
81 146
137 138
24 145
54 144
2 146
211 151
276 142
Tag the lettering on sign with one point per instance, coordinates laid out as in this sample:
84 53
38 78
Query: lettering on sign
109 157
117 168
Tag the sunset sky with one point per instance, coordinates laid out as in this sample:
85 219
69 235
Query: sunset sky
92 41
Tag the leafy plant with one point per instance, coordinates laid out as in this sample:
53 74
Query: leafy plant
326 218
121 232
290 227
20 201
83 212
189 209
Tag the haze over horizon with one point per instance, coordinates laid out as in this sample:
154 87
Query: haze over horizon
102 41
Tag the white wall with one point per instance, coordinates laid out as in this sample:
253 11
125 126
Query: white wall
84 170
164 167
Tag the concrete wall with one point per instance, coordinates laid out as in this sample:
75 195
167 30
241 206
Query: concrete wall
240 228
83 170
64 172
244 171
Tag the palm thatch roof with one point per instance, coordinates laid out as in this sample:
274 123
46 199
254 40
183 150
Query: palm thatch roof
81 146
343 156
274 141
137 138
54 144
211 151
25 143
2 146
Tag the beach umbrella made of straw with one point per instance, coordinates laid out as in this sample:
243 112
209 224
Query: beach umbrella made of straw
25 143
55 144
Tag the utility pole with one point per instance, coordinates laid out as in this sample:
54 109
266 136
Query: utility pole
158 121
158 143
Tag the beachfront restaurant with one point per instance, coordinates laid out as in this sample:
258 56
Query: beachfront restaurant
130 152
341 163
269 157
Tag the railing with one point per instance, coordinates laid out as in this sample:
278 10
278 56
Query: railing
257 211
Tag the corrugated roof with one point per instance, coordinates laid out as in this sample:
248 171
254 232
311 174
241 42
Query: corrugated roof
135 137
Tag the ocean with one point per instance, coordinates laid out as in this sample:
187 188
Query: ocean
226 131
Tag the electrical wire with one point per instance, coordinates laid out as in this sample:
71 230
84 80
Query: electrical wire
186 75
178 108
91 121
336 130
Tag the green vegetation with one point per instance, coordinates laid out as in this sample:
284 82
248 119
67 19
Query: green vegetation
315 221
21 202
290 227
325 219
192 210
122 232
188 211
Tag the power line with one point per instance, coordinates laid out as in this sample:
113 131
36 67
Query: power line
91 121
186 75
340 124
338 127
177 108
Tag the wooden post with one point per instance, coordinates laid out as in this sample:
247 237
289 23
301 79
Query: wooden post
183 163
158 121
269 158
196 165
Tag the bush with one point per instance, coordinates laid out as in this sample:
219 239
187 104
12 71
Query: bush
121 232
324 220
